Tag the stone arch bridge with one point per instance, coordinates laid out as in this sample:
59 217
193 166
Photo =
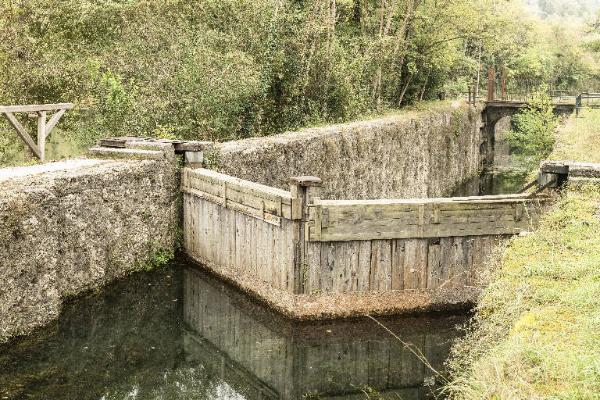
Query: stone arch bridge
494 111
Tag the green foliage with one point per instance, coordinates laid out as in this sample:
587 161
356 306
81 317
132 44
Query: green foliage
533 136
228 69
158 258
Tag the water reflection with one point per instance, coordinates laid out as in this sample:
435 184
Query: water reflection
492 183
179 334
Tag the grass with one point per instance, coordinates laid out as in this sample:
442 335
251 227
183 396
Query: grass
579 139
536 333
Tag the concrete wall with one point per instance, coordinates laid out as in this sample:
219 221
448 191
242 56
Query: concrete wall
410 154
70 226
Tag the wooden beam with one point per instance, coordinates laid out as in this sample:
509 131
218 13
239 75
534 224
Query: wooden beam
36 107
23 133
424 219
53 121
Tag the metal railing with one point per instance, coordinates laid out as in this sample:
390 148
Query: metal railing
524 96
591 100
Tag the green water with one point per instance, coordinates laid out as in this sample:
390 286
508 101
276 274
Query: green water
177 333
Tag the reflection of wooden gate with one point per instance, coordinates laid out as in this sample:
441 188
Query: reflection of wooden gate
44 127
297 243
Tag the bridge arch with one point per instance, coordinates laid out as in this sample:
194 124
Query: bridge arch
495 111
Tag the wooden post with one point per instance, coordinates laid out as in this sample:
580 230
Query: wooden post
305 191
491 84
41 134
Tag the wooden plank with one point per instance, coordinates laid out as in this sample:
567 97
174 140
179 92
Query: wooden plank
449 231
446 257
393 220
354 265
505 198
397 269
380 278
342 272
242 208
119 142
410 265
433 265
215 188
311 271
422 255
275 207
328 262
364 265
468 243
241 249
36 107
459 269
257 189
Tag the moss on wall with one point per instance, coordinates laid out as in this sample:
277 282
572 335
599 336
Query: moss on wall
419 153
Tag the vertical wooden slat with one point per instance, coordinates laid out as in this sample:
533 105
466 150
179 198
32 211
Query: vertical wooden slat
311 271
433 265
423 247
398 254
327 266
364 265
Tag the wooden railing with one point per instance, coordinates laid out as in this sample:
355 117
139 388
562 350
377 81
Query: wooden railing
343 220
44 126
249 198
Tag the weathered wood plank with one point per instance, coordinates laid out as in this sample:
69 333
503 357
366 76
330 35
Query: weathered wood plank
341 273
398 254
364 265
223 193
36 107
433 265
53 121
253 188
328 262
235 206
380 278
311 270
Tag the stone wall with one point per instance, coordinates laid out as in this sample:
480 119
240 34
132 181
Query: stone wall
410 154
72 226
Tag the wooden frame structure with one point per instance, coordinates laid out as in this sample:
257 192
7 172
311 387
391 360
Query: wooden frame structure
44 126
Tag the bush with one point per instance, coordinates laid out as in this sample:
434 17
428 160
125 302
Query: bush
533 135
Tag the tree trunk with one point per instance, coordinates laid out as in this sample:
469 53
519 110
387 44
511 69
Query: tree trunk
357 12
478 80
404 90
424 87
